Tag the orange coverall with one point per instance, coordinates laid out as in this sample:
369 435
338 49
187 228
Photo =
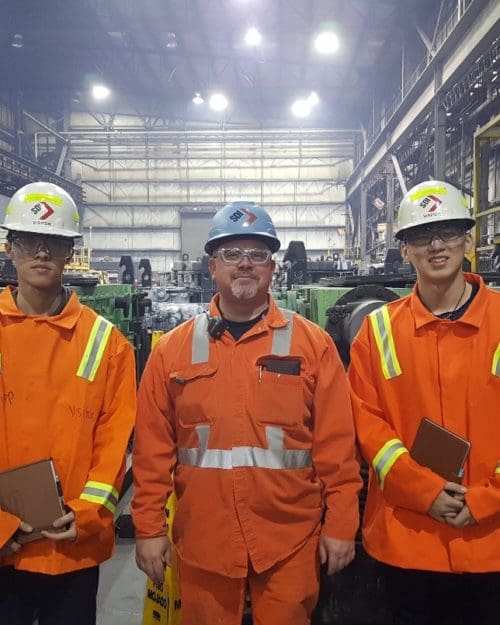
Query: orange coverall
450 373
55 403
227 406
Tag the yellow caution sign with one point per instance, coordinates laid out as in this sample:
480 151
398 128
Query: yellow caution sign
162 604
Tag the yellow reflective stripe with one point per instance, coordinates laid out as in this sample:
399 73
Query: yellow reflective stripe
386 457
495 365
92 356
43 197
381 325
99 500
497 470
388 465
429 191
101 493
103 486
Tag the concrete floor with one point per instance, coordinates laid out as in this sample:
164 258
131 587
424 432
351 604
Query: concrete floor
121 588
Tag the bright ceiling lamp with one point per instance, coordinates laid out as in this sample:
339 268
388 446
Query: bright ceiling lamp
301 108
218 102
197 98
100 92
313 98
326 42
253 37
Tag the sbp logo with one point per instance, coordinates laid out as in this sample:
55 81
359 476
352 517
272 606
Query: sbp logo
431 202
237 215
42 206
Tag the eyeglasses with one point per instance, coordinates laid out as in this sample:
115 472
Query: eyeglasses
53 246
425 236
234 255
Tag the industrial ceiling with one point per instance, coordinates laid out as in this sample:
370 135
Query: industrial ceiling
156 54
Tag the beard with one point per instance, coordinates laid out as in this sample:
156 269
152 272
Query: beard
245 290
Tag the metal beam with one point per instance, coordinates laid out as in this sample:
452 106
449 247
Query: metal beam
472 35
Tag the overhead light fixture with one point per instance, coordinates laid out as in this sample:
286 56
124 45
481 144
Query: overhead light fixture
197 99
17 41
301 108
313 98
253 37
171 41
326 42
218 102
101 92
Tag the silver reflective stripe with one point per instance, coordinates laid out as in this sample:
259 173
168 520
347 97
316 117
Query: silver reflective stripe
273 458
275 437
200 348
282 337
381 325
386 457
495 367
94 350
101 494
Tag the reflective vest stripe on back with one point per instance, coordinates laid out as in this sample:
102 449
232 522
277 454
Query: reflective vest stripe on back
92 356
101 493
495 366
381 325
275 456
386 457
497 469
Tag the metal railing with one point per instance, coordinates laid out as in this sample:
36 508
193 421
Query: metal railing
388 110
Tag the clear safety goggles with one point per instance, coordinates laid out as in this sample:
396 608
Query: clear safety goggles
234 255
56 247
425 235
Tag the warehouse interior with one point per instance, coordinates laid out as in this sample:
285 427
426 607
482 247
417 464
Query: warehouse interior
154 115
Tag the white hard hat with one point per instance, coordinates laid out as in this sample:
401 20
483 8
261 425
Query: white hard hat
430 202
42 208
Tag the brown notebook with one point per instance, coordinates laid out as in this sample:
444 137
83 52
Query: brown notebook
441 450
32 492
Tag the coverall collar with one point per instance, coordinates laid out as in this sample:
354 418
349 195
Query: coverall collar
66 319
473 316
274 318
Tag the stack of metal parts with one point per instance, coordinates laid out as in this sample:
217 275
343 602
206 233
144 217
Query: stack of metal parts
170 306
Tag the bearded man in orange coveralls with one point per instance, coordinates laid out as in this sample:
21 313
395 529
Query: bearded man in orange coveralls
248 408
434 354
68 379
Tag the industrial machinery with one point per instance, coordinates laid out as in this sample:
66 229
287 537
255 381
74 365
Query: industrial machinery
339 302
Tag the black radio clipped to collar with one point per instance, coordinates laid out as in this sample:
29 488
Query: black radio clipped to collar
216 327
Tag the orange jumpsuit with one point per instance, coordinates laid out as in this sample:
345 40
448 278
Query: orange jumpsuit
68 392
257 455
448 371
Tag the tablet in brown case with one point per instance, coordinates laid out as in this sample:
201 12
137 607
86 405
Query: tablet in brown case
31 492
441 450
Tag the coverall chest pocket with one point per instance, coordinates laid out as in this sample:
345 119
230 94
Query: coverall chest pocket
280 399
194 394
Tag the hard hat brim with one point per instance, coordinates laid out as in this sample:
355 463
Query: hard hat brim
272 243
53 232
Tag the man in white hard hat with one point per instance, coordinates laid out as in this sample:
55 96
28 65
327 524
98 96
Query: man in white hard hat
434 354
68 384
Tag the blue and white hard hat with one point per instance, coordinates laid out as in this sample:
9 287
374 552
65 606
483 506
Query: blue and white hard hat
241 219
